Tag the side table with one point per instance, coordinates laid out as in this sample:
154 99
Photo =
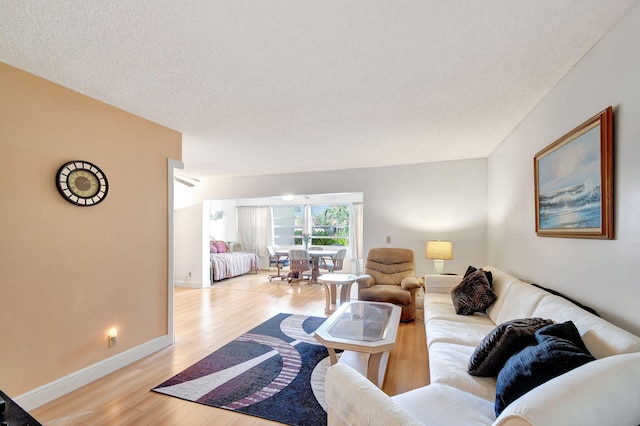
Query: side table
330 282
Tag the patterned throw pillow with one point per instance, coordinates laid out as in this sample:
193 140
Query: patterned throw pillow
473 294
504 341
560 349
488 274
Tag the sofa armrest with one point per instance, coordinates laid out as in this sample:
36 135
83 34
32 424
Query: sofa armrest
365 281
441 283
352 399
605 391
409 282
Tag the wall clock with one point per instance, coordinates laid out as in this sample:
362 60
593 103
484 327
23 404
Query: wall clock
82 183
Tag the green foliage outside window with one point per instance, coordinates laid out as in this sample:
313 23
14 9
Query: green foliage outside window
330 227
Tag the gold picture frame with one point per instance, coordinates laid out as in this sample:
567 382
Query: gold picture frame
574 182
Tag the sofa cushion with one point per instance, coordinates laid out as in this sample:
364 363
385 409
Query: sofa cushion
448 365
575 302
609 390
447 312
559 349
439 405
519 301
443 299
501 280
473 294
441 283
501 343
462 333
600 336
501 284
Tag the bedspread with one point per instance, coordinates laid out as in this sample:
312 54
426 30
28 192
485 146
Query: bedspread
227 265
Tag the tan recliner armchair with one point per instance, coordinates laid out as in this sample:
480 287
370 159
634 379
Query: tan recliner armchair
390 276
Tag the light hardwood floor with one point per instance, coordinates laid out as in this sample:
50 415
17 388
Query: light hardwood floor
205 320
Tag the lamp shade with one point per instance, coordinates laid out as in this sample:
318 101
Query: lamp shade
441 250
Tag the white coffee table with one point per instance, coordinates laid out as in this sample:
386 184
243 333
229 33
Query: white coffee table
330 282
366 331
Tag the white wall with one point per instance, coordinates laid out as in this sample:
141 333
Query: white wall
189 246
190 234
411 204
449 200
601 273
224 229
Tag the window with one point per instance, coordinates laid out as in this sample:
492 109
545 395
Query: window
328 224
285 224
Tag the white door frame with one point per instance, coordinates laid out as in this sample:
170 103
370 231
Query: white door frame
171 166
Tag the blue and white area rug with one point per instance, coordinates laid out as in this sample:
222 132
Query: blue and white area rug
275 371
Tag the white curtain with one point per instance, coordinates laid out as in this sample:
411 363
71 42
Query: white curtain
254 228
356 240
306 219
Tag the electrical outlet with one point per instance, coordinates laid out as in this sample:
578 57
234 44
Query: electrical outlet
388 240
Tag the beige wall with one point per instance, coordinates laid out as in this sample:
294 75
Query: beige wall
68 273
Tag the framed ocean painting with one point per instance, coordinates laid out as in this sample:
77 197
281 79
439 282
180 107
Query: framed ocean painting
574 182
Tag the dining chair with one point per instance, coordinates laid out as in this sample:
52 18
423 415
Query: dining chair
299 263
335 262
277 262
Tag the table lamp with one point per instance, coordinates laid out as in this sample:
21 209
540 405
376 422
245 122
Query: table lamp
439 251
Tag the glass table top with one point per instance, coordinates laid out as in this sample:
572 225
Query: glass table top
362 321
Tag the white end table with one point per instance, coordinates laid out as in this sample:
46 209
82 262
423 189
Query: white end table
330 282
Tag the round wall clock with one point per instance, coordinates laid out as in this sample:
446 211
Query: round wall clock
82 183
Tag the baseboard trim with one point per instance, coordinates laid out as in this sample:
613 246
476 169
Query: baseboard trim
189 284
62 386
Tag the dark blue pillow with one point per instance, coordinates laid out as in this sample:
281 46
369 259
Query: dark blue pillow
560 349
502 343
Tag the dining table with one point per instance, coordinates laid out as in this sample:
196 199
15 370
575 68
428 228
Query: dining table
315 256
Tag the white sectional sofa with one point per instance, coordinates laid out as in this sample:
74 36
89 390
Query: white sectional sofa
602 392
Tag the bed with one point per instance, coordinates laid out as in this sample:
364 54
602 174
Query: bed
231 261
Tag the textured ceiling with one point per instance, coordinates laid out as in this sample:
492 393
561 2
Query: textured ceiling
262 87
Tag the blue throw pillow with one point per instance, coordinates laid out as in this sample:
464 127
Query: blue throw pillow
560 349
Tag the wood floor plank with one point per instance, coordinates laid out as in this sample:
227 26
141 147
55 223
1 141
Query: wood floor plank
206 320
121 417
